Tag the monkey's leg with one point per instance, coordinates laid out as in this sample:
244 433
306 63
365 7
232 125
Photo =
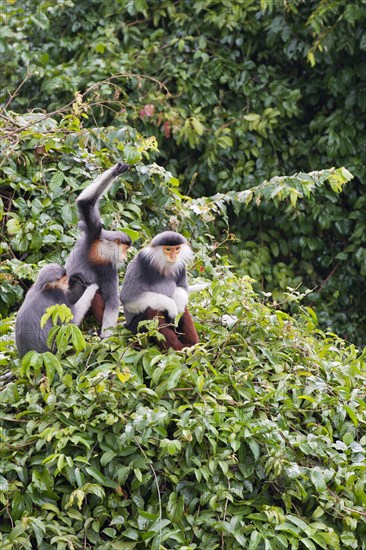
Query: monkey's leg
98 306
188 336
171 339
83 304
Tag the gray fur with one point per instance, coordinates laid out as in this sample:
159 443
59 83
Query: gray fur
144 282
168 238
28 332
105 275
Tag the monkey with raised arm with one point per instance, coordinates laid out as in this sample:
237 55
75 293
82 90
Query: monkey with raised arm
99 253
50 288
155 286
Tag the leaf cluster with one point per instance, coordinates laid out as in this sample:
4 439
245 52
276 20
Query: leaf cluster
252 439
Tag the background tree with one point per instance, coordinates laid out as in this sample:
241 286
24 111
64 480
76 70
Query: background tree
248 90
254 438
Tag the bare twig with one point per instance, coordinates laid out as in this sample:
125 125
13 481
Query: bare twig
139 77
328 277
14 94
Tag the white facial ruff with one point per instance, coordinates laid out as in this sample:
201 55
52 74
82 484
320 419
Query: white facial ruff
155 255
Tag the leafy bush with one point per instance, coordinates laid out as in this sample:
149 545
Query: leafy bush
252 439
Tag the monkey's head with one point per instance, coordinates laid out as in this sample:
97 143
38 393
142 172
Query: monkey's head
110 248
168 252
52 276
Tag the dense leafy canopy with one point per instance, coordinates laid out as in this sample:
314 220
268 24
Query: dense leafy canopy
251 440
255 437
236 92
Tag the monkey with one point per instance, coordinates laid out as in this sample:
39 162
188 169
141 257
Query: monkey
155 286
50 288
97 255
77 286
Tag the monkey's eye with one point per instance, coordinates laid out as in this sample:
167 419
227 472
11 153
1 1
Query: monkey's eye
118 241
169 249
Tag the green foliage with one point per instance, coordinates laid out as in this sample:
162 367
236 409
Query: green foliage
57 312
252 439
45 164
255 437
236 92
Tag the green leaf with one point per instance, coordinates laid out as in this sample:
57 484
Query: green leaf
318 479
255 448
318 512
308 544
174 378
52 365
131 154
352 414
56 181
134 235
200 383
252 117
39 529
99 477
13 226
255 539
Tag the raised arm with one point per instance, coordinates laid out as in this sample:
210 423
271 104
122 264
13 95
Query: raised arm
88 200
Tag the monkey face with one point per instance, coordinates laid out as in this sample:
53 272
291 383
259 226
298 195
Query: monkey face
64 281
172 253
103 252
122 251
167 258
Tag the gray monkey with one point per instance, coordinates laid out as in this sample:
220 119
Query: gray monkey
97 255
155 286
50 288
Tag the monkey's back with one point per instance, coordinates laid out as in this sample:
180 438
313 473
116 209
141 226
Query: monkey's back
78 262
28 332
104 275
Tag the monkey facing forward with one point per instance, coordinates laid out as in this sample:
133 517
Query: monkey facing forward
50 288
155 286
99 253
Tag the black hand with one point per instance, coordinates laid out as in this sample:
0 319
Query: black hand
121 167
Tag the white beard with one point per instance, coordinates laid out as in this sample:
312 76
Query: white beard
159 261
